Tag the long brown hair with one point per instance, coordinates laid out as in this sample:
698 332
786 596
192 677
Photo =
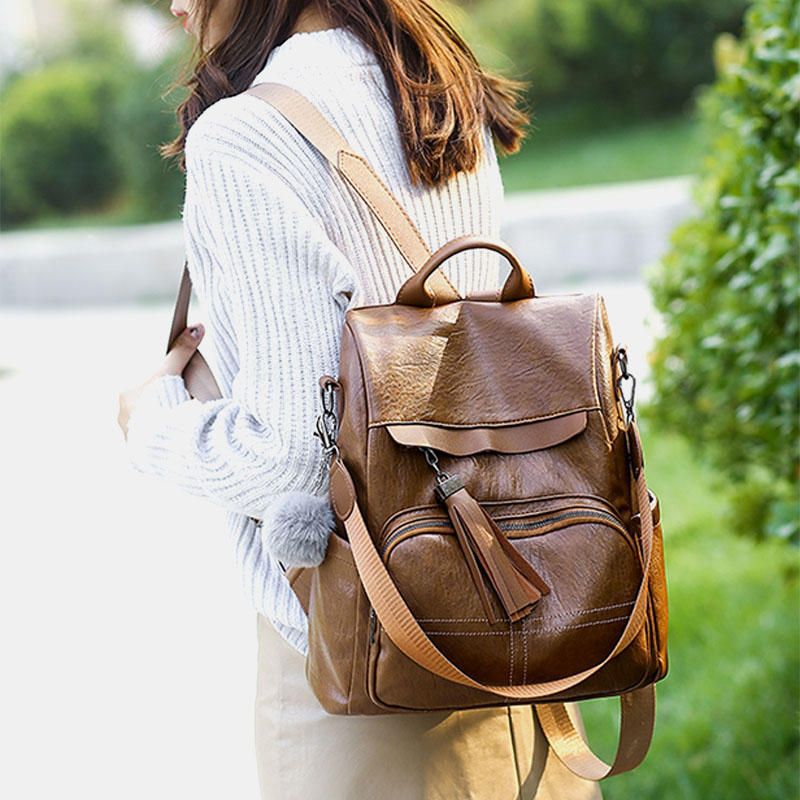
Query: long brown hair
441 95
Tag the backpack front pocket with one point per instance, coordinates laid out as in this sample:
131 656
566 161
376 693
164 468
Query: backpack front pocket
577 543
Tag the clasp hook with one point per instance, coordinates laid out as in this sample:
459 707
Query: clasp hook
327 427
625 378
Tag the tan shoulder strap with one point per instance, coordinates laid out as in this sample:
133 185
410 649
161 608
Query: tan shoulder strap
197 375
358 172
354 169
406 633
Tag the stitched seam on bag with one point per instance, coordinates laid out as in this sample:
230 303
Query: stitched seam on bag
652 628
425 507
511 653
382 422
524 657
651 601
336 506
551 616
353 656
606 428
367 403
531 629
339 558
528 630
389 196
393 233
517 770
648 628
593 348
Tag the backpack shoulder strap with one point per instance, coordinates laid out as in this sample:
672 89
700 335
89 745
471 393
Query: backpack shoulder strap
356 171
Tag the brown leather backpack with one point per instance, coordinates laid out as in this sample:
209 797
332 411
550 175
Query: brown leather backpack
496 541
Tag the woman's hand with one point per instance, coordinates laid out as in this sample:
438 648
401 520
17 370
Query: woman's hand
174 364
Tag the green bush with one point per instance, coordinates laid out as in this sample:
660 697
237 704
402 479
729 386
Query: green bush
153 186
644 54
80 134
727 369
726 722
55 141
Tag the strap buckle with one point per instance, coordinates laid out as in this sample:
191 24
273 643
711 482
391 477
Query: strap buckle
327 425
625 384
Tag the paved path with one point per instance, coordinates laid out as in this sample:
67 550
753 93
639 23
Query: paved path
128 668
122 680
611 230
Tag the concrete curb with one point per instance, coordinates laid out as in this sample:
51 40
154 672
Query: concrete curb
562 236
571 235
90 266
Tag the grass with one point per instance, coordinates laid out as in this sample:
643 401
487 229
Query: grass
727 710
569 150
118 212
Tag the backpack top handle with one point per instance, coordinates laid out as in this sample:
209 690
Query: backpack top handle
518 285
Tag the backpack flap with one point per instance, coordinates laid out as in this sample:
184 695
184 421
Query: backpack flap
476 367
520 437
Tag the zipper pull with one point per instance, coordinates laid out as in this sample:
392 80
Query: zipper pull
372 625
486 550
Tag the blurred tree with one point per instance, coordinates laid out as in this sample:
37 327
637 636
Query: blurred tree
81 131
727 369
55 141
643 54
145 120
93 33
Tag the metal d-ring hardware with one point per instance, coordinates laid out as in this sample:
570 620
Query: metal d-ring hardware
327 427
625 376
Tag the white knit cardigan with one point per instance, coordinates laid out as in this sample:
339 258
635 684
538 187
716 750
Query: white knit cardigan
279 247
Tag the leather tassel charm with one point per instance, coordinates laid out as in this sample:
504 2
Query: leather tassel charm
518 586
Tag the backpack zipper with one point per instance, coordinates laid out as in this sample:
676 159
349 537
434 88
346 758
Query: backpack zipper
505 525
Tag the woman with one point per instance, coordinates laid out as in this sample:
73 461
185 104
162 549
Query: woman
279 248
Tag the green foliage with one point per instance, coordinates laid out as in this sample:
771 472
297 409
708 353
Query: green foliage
57 152
727 368
154 187
726 724
647 55
79 135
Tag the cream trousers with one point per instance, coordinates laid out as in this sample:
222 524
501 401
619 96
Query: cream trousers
304 753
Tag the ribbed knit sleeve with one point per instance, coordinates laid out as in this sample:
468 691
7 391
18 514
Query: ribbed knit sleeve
286 286
279 247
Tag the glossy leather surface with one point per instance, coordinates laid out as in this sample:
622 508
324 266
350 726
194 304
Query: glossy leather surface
475 363
450 366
